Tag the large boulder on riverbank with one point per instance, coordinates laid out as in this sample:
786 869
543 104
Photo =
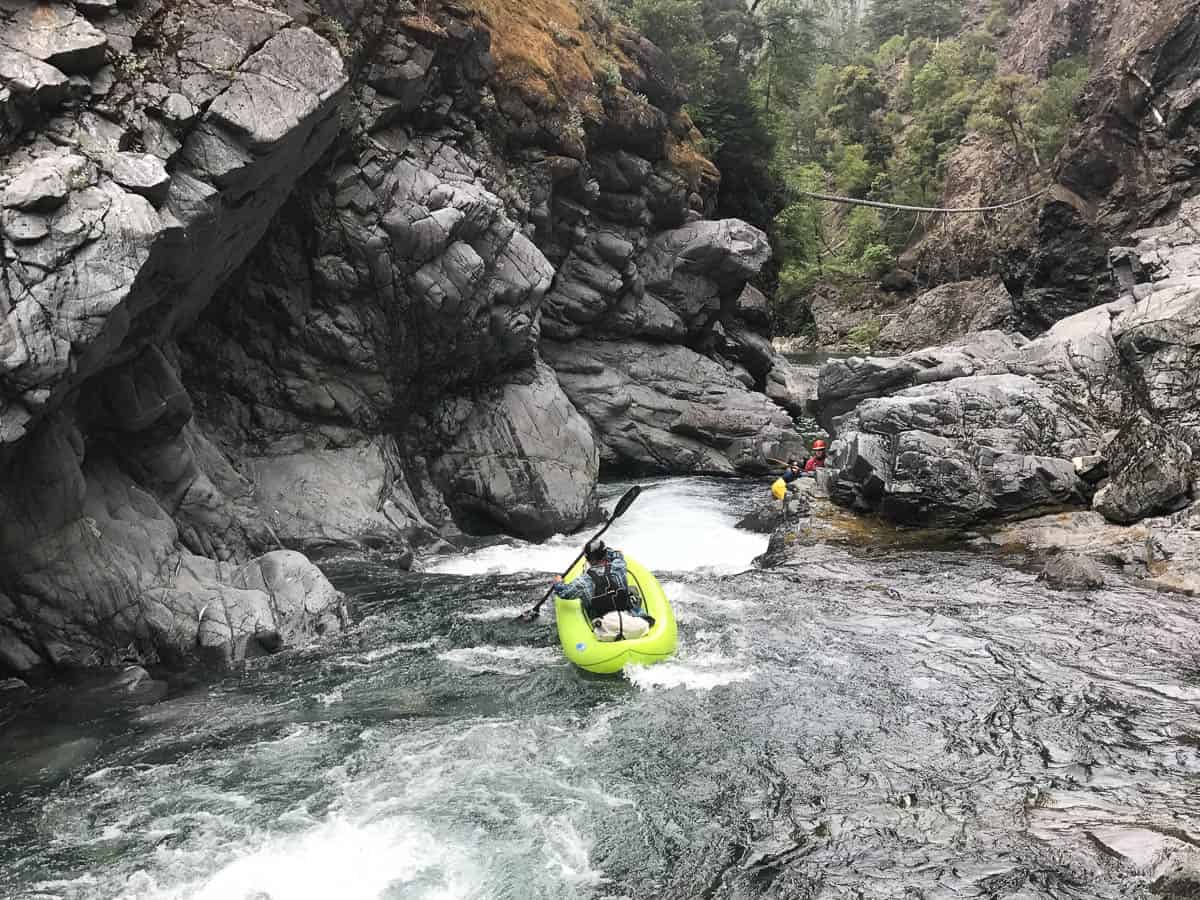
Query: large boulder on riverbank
975 447
1071 572
990 424
949 311
1151 471
524 461
663 408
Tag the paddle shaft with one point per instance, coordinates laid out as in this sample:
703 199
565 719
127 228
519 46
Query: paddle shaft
575 561
622 505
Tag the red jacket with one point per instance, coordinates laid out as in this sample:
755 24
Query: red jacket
814 462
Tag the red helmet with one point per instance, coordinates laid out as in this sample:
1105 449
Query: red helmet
818 444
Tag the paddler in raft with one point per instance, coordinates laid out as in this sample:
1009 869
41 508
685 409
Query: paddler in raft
603 591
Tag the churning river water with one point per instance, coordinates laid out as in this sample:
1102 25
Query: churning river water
887 724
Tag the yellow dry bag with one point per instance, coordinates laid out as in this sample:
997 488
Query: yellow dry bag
779 488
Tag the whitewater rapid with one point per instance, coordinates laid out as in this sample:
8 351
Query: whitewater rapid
883 725
676 525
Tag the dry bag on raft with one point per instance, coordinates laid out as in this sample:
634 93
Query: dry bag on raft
779 488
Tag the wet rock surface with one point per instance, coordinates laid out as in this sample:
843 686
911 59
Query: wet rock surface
990 425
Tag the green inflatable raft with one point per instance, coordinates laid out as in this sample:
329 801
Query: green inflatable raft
607 657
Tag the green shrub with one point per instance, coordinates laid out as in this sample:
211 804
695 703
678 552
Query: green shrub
608 75
877 260
864 336
891 51
852 171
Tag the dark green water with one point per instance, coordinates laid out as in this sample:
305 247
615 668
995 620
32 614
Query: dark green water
924 725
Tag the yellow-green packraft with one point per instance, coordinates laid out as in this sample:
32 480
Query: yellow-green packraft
580 645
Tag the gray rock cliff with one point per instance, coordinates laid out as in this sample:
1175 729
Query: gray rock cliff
292 275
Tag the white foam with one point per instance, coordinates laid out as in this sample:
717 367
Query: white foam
493 615
351 862
701 672
568 851
502 660
675 526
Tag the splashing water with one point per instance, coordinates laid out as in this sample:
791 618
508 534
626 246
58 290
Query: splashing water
680 525
891 726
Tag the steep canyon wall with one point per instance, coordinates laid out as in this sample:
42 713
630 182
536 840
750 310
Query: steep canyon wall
287 276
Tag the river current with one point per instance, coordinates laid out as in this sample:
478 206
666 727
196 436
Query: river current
863 724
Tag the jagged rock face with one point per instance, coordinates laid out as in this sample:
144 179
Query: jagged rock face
123 521
1128 164
454 294
249 303
991 403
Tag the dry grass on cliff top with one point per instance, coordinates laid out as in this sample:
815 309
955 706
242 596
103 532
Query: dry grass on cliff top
683 152
547 49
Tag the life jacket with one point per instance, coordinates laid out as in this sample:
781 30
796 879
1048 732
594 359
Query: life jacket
610 592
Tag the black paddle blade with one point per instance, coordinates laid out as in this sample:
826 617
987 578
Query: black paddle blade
528 616
625 502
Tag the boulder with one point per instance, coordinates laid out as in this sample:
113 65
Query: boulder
302 601
667 409
1071 572
524 461
752 307
959 451
44 184
691 268
57 35
769 513
141 173
28 76
1151 472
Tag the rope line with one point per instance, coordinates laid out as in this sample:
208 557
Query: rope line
833 198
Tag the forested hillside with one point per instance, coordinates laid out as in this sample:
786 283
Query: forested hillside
860 101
